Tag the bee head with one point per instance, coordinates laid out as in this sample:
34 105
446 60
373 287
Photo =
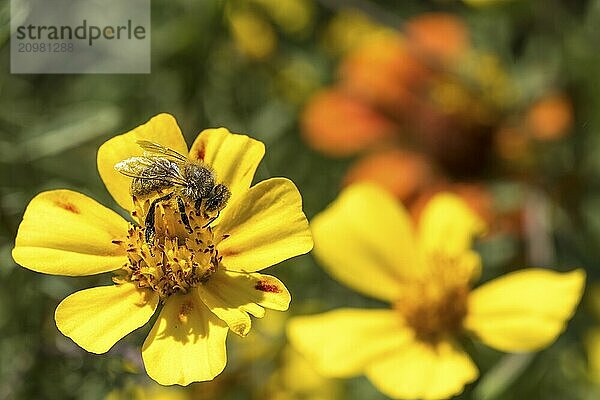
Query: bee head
218 198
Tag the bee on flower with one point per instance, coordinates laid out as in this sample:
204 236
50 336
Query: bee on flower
196 263
411 350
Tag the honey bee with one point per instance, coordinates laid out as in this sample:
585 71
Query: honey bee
164 169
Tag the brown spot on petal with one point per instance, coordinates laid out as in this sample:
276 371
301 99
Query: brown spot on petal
265 286
65 205
228 252
201 153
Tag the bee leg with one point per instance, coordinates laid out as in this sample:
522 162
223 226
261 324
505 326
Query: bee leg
197 205
212 219
150 230
184 217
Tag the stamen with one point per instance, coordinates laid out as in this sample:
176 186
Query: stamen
177 260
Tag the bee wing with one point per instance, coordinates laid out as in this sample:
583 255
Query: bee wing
155 148
151 168
133 166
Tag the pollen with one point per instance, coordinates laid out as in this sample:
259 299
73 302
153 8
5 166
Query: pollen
177 260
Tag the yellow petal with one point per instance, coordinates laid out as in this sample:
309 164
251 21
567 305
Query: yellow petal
233 157
524 310
365 240
233 314
465 267
68 233
448 226
265 226
423 371
342 343
162 129
233 295
186 344
99 317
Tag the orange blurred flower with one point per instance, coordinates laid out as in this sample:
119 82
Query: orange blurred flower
550 118
384 73
340 125
424 111
438 37
394 84
403 173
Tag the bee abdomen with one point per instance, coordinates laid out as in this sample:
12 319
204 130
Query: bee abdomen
141 187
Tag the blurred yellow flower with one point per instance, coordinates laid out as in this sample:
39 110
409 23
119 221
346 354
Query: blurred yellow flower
253 35
254 25
592 336
207 281
291 16
592 345
349 29
296 379
365 239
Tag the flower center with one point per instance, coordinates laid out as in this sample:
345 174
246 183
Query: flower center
176 260
433 311
435 304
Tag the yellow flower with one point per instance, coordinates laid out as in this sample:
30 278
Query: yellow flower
207 281
253 35
366 240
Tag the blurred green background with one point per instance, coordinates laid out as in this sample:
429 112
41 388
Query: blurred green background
252 66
